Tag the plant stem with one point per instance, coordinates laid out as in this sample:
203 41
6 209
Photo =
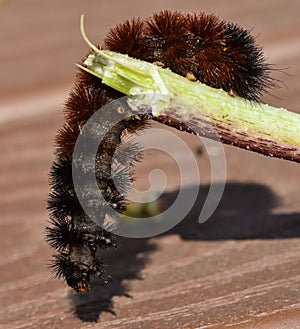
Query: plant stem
209 112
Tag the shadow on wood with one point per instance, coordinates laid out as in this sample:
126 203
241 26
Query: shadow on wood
245 212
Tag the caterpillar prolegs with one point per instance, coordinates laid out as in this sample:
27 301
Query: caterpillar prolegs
197 46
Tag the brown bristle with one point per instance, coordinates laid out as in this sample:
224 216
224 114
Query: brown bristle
126 36
219 54
168 25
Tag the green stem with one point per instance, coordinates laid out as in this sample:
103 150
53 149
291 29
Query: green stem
250 125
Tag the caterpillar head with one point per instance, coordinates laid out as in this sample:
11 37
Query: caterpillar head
76 267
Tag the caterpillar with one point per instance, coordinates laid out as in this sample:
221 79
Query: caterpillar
199 47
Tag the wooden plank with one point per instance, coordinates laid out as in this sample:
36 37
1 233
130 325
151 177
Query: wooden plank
241 269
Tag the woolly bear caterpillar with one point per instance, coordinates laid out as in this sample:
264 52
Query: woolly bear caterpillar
197 46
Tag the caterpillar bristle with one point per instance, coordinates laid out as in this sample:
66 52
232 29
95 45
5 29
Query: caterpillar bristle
219 54
128 152
63 234
249 63
126 36
60 174
167 24
204 47
62 203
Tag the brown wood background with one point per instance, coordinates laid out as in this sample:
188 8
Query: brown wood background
241 269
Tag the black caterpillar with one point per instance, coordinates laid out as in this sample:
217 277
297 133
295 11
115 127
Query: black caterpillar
198 46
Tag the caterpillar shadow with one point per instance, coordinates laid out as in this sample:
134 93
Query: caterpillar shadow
245 212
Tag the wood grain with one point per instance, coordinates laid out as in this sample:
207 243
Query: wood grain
241 269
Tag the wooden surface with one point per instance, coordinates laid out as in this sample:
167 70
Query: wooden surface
241 269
